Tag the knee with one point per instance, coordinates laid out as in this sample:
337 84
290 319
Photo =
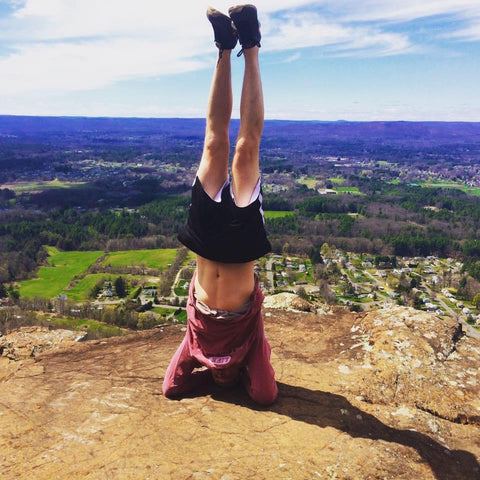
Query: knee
247 146
168 389
216 143
265 397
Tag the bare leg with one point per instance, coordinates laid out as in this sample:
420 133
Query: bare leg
245 166
213 169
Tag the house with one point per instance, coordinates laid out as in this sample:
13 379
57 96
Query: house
149 291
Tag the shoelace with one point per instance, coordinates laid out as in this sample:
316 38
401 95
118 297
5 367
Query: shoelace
240 53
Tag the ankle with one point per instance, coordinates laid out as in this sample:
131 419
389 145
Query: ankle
251 52
224 54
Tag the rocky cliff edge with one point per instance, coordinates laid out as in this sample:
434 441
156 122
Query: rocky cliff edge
392 394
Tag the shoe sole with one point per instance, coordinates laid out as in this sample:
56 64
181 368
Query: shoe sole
242 15
221 23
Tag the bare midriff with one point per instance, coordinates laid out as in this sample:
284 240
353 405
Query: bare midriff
224 286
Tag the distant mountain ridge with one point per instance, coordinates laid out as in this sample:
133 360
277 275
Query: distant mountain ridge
428 133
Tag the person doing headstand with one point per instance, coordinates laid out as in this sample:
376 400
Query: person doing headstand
225 337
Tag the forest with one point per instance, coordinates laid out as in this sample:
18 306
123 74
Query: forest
111 184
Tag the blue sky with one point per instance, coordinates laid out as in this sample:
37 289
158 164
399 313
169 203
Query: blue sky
321 60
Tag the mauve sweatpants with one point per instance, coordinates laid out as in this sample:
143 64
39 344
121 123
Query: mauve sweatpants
238 344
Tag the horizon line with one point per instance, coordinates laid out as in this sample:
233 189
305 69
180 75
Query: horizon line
133 117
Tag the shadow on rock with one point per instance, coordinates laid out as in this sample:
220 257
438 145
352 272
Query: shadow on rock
324 409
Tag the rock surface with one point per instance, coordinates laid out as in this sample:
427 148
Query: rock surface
287 301
392 394
28 342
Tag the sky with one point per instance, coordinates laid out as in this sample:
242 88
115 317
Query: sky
413 60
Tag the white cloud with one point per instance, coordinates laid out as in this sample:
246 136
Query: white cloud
293 58
83 66
67 45
471 33
312 30
406 10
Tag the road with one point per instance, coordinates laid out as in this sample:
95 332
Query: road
468 329
177 278
269 269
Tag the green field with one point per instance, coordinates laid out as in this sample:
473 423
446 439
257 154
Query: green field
182 316
442 184
159 258
95 329
337 180
277 213
449 184
352 190
79 293
471 190
52 280
36 186
310 182
180 289
63 266
164 311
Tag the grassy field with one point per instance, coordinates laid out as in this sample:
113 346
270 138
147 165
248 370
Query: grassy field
79 293
180 289
336 180
448 184
442 184
164 311
52 280
23 187
159 258
277 213
191 256
471 190
63 266
181 316
310 182
351 190
94 328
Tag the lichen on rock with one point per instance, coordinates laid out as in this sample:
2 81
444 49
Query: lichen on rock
389 394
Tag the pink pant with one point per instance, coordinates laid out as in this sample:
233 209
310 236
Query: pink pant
231 345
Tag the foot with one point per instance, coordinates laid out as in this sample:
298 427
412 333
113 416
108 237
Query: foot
245 19
224 32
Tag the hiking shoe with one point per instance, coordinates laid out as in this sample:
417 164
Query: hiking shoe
245 19
224 32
